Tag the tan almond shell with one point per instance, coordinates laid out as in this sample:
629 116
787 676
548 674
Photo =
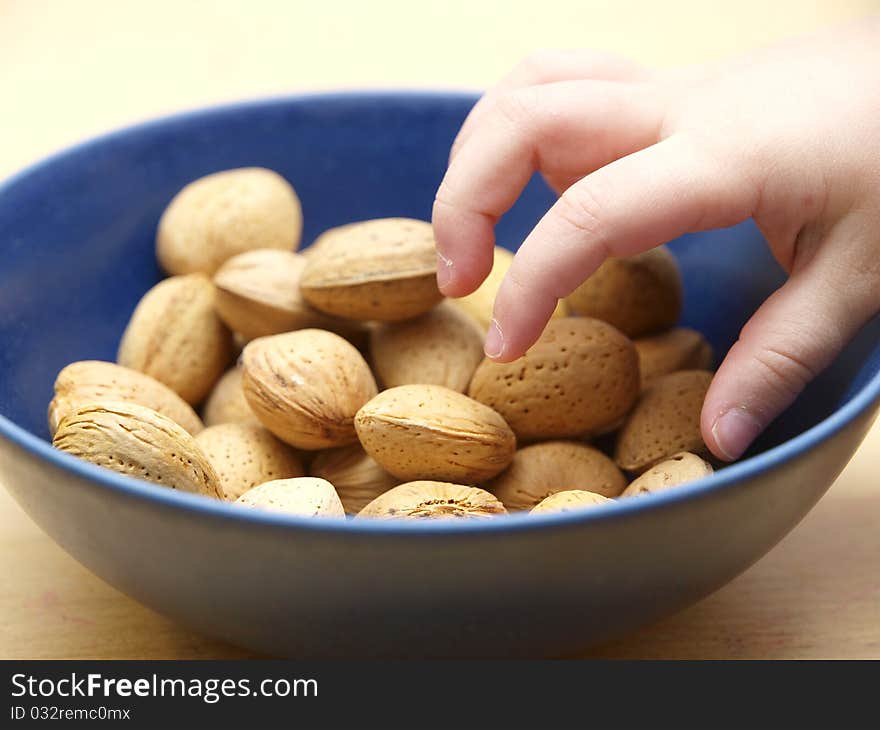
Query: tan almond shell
679 469
138 442
569 500
355 474
89 381
539 470
258 295
226 402
441 347
431 432
666 420
481 303
384 269
433 500
175 336
580 378
680 348
224 214
306 387
639 295
304 496
245 456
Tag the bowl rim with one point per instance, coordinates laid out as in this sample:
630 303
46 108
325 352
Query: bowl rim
197 505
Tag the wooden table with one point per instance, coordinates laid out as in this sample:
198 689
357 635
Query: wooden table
68 70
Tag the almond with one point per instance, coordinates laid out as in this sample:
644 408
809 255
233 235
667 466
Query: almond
224 214
432 432
89 381
442 347
666 420
258 295
572 499
305 496
580 378
355 474
540 470
138 442
176 337
383 269
480 303
676 349
639 295
306 387
227 404
431 500
679 469
246 456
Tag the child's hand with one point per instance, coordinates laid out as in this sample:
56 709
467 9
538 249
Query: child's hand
788 136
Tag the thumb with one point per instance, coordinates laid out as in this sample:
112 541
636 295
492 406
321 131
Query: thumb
792 337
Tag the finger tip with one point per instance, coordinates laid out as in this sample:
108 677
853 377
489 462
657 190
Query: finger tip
732 432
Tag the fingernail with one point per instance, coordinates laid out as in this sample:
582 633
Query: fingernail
444 270
494 341
734 430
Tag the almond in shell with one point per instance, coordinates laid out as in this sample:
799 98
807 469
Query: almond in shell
304 496
573 499
432 500
355 474
678 469
227 404
680 348
431 432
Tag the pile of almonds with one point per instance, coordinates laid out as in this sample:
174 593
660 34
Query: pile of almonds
360 390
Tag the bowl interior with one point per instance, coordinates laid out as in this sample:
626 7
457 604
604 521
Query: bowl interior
77 231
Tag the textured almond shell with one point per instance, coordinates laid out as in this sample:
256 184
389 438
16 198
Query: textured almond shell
480 303
573 499
676 349
227 404
433 500
306 387
137 442
580 378
175 336
679 469
258 295
383 269
304 496
639 295
666 420
224 214
442 347
540 470
431 432
89 381
355 474
246 456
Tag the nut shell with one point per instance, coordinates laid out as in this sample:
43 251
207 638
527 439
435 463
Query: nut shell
676 349
137 442
258 295
679 469
639 294
433 500
569 500
666 420
355 474
304 496
306 387
431 432
224 214
227 404
246 456
541 470
89 381
175 336
383 269
580 378
442 347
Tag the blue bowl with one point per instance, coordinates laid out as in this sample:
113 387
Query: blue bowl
77 254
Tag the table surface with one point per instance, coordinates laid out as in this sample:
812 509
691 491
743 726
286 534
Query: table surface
69 70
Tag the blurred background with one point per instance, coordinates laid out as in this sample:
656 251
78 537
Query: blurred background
69 69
